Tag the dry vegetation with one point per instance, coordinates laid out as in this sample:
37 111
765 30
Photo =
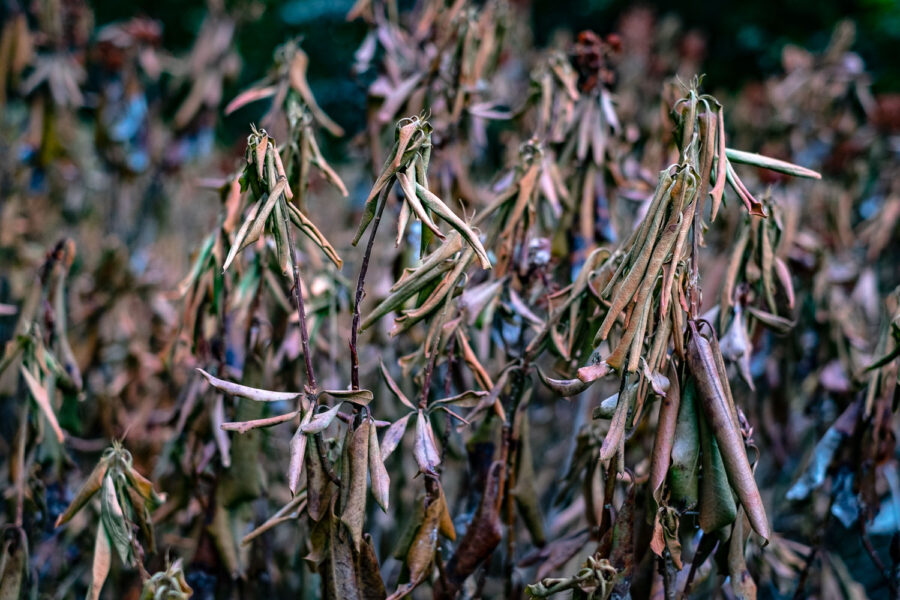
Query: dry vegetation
557 323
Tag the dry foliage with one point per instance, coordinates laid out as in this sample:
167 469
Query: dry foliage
624 365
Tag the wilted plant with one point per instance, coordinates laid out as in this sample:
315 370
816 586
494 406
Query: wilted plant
619 257
126 500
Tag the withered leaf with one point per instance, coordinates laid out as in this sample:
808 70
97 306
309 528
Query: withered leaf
322 420
717 507
393 435
425 451
381 482
353 511
236 389
87 490
101 564
298 453
719 415
359 397
42 399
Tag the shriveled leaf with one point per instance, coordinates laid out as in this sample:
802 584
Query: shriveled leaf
298 453
381 482
112 518
101 564
91 486
236 389
359 397
467 399
717 507
353 511
564 387
42 399
395 388
393 435
720 416
772 164
425 452
321 421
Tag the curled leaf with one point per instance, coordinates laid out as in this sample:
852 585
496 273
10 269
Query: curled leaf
236 389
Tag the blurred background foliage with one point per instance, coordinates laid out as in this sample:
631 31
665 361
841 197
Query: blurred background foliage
741 42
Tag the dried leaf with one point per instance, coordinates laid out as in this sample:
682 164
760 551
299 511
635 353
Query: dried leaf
717 507
321 421
42 399
236 389
772 164
91 486
101 564
720 417
298 453
393 435
425 451
358 397
381 482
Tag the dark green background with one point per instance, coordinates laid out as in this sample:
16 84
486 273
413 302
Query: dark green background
744 39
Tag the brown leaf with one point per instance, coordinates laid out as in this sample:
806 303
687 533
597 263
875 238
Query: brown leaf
353 510
101 564
395 388
42 399
720 417
564 387
87 490
424 450
420 556
322 420
298 453
358 397
393 435
381 482
482 536
236 389
661 457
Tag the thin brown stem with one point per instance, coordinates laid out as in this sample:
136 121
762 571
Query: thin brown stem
360 286
301 309
20 464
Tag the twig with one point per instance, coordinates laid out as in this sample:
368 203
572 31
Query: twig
360 285
301 309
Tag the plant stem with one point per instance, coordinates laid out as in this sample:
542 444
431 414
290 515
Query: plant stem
360 285
20 463
301 310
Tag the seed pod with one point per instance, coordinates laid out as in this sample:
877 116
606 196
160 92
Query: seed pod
318 486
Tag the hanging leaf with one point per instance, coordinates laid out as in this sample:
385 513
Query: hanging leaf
381 482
